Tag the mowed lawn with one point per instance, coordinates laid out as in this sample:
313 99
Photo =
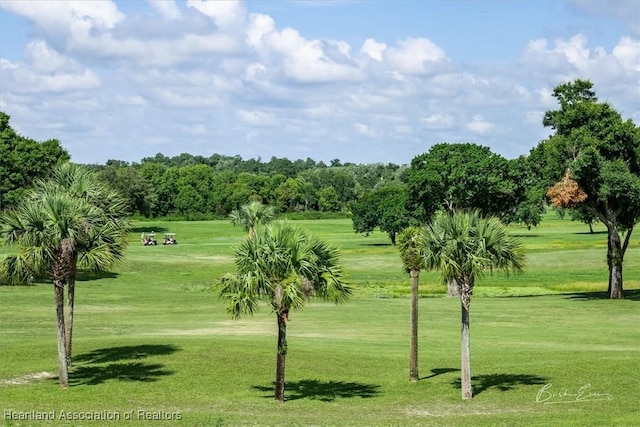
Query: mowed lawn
152 340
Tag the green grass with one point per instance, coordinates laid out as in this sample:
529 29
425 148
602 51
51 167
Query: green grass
153 337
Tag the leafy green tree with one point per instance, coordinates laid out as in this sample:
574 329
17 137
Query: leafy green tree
385 208
462 246
22 161
252 215
409 247
470 176
288 194
283 265
598 153
328 200
133 185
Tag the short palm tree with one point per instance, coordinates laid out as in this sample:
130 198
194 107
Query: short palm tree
283 265
409 247
463 246
252 215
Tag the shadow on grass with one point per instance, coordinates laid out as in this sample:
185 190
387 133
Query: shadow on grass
120 363
87 276
588 232
116 354
439 371
631 294
325 391
376 244
526 235
502 382
135 371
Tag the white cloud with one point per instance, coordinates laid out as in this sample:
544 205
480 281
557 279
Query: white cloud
415 56
167 8
75 16
437 121
45 70
373 49
365 130
480 125
227 14
306 61
627 52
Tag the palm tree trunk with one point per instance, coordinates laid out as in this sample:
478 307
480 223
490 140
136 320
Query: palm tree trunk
71 291
615 258
63 373
465 359
413 352
281 354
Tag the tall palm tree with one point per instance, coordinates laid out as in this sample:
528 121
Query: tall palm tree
46 230
463 246
104 243
252 215
409 247
56 229
283 265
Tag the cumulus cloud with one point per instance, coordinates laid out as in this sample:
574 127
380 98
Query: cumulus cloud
415 56
227 14
373 49
218 73
46 70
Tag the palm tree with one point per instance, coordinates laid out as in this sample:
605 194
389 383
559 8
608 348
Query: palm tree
104 244
46 231
462 246
56 229
283 265
408 245
252 215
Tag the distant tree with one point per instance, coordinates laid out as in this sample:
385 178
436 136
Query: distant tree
462 246
328 200
252 215
409 247
469 176
599 156
22 161
132 184
283 265
383 208
585 216
288 194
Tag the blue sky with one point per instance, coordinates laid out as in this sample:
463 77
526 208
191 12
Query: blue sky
361 81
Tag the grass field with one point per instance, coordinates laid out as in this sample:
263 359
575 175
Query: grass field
152 340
